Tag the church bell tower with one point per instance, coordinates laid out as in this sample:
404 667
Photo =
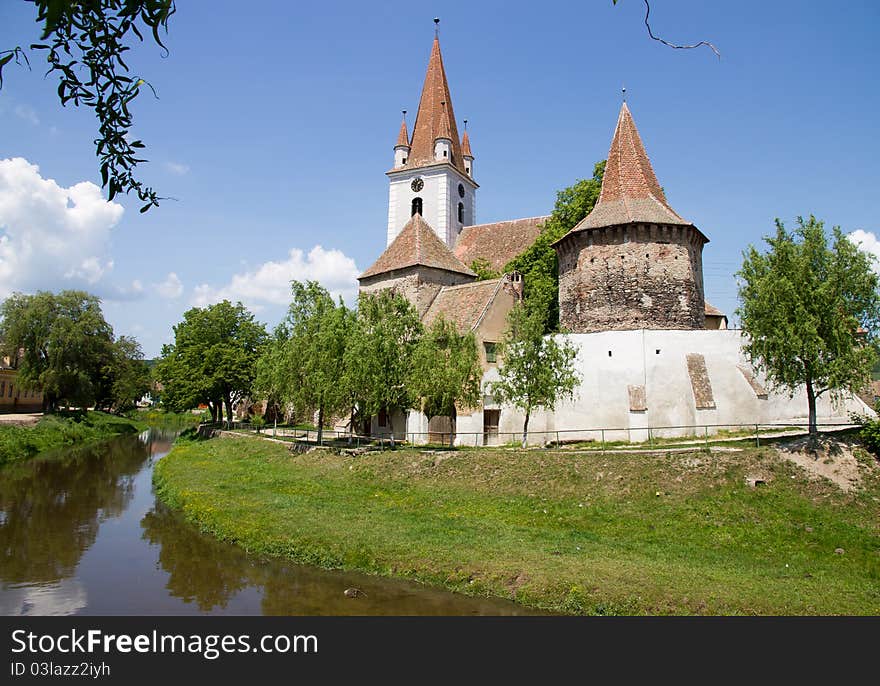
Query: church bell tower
433 169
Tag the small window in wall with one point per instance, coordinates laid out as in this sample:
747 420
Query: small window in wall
657 351
2 388
461 213
609 353
445 153
10 390
404 161
467 169
416 207
491 351
383 417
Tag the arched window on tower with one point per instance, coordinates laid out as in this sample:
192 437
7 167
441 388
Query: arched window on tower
416 207
461 213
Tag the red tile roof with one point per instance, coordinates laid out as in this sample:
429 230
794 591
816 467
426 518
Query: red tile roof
403 136
630 191
435 117
466 145
499 242
463 305
713 311
416 244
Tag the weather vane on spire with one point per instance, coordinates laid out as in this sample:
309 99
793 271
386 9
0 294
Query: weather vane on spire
623 90
436 26
465 124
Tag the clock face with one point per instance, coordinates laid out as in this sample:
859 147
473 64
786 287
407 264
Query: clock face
417 185
460 191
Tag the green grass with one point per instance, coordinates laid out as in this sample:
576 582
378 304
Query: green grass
560 530
57 430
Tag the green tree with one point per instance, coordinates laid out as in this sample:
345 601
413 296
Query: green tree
63 341
213 358
379 359
125 376
536 370
483 269
538 263
304 365
446 371
85 42
803 304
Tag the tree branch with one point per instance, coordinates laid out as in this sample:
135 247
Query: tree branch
672 45
666 42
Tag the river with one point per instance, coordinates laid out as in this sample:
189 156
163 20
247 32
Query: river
81 532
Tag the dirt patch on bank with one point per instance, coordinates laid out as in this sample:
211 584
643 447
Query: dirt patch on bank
831 458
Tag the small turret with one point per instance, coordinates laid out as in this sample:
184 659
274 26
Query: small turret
466 153
443 141
402 147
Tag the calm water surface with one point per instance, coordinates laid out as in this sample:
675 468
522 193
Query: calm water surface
81 532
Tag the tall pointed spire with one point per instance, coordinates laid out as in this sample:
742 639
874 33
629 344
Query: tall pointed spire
403 136
630 190
435 118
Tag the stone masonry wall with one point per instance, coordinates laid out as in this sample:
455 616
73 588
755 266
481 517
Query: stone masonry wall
631 277
419 285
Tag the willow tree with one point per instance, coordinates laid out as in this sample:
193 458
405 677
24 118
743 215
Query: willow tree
536 371
379 355
446 372
810 311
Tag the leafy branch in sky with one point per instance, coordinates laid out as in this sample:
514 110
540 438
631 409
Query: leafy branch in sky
85 42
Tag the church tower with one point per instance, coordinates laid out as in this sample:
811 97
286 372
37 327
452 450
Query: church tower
632 262
433 169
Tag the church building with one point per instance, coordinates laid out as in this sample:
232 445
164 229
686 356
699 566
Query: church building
652 353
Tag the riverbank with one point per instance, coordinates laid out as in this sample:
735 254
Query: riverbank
57 430
565 531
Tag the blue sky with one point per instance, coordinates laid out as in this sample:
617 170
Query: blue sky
275 124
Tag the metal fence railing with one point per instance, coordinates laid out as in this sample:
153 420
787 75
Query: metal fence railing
602 438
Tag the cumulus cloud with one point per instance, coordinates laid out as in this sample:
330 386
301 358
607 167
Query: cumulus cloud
177 168
53 237
867 242
171 287
270 282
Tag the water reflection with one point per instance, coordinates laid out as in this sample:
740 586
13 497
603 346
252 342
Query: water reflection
82 533
54 505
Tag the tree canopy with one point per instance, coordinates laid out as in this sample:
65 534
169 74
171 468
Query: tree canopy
536 371
304 364
445 371
213 358
65 348
380 356
810 311
538 263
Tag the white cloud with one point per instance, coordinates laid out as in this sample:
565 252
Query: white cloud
27 113
270 282
53 237
177 168
868 243
171 287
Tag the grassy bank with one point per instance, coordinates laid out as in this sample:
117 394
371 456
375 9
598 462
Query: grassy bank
571 532
57 430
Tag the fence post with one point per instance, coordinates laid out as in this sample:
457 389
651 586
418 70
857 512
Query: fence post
650 438
557 439
603 441
757 437
707 437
